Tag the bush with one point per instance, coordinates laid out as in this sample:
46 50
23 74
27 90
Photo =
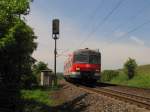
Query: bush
108 75
130 68
29 81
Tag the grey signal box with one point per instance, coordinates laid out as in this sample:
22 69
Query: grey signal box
55 26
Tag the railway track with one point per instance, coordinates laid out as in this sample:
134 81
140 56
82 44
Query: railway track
140 101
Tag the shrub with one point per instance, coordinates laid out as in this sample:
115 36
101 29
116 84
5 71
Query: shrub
108 75
130 68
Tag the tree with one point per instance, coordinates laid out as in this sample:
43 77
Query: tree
130 67
16 46
10 10
37 68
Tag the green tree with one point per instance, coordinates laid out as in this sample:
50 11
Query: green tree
16 49
10 10
130 67
37 68
16 46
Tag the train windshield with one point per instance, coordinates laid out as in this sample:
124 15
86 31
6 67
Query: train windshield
81 58
87 58
94 59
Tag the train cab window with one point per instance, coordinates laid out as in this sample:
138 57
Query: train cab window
81 58
94 59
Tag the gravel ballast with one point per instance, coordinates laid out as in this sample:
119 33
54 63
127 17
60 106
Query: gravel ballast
78 100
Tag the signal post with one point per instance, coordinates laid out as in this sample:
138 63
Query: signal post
55 36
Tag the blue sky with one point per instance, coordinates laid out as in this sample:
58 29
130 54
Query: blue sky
95 22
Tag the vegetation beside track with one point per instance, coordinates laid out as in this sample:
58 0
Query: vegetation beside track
141 79
40 99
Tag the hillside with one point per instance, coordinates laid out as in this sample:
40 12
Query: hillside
144 69
141 79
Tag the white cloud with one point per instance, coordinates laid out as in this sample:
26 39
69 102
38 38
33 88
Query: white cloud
119 33
137 40
113 56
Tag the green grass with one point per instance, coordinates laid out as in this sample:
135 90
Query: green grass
39 99
141 79
41 95
120 79
37 95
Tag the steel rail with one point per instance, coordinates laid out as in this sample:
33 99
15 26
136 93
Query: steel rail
133 99
145 99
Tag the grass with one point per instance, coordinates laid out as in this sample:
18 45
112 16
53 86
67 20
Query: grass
39 99
141 79
37 95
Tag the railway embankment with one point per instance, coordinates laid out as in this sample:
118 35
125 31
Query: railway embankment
140 80
71 98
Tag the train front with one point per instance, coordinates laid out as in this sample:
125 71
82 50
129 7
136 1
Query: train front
86 65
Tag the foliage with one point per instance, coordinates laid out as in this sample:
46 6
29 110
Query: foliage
29 81
37 68
16 46
141 79
40 100
120 79
12 7
10 12
38 95
16 53
130 67
108 75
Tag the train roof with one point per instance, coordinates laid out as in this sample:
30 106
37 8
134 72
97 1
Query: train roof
86 50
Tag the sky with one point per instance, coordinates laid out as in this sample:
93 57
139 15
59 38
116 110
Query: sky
118 28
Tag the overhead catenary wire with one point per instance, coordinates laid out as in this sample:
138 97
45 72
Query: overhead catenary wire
124 35
130 31
91 16
102 22
140 11
62 53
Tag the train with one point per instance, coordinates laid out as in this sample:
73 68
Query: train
83 65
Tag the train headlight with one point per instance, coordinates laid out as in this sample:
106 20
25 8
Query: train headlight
97 70
78 69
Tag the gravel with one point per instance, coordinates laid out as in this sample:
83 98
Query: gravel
78 100
132 90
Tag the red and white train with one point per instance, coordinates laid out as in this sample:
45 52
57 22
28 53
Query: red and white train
83 64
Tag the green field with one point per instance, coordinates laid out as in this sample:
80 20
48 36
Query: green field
141 79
